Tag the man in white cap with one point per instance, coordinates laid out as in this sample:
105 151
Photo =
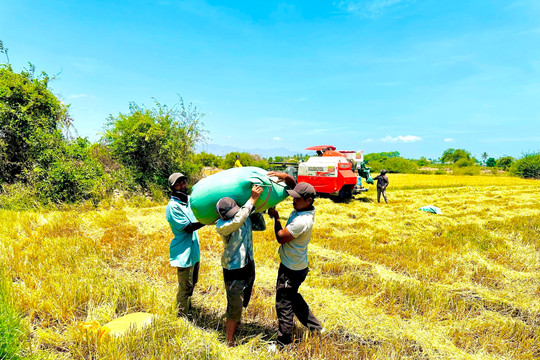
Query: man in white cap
235 228
184 252
294 239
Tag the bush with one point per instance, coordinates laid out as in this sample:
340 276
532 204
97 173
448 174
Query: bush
154 143
461 163
400 165
505 162
491 162
527 167
208 160
31 121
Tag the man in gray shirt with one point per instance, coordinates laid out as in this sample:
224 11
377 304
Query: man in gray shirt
294 239
382 184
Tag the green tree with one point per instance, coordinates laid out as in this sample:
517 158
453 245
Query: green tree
206 159
380 156
527 167
32 119
491 162
505 162
485 156
457 155
423 161
156 142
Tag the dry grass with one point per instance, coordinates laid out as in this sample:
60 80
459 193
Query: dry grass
387 281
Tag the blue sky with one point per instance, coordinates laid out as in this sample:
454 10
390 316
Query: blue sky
414 76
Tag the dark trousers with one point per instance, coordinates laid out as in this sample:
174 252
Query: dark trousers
383 193
289 303
187 278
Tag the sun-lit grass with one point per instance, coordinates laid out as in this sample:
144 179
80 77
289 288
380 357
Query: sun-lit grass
388 281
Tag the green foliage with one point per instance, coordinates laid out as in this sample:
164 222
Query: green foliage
295 158
491 162
394 165
31 121
12 328
505 162
463 162
423 161
153 143
456 155
527 167
368 158
245 159
67 173
206 159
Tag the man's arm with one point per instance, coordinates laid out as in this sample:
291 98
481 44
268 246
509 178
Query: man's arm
237 221
283 236
242 214
288 179
191 227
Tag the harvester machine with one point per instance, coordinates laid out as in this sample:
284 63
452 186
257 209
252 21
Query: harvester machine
331 172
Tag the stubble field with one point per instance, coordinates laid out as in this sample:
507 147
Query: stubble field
388 281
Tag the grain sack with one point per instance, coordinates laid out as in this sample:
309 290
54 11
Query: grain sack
235 183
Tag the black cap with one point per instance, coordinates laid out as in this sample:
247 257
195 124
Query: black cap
227 208
175 177
303 190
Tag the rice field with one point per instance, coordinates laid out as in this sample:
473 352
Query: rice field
388 281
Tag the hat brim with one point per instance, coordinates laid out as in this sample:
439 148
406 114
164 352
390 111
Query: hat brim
176 178
230 214
294 194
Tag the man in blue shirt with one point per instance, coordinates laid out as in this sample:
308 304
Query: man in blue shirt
235 228
294 240
184 252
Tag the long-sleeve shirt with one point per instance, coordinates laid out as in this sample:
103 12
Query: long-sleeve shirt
237 237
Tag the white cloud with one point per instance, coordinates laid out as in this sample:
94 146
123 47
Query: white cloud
277 138
368 140
448 140
400 138
368 8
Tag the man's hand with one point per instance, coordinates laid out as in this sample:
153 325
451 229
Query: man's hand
273 213
256 191
288 179
280 175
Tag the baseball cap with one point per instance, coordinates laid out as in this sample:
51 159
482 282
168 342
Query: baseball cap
175 177
303 190
227 208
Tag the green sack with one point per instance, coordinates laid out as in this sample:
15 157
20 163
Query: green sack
235 183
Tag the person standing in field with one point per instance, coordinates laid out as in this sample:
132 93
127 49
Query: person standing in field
237 162
235 228
293 269
382 184
184 252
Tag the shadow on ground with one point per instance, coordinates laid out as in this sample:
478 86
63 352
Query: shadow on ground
213 321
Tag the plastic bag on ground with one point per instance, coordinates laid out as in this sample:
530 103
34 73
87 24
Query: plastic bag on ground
431 209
